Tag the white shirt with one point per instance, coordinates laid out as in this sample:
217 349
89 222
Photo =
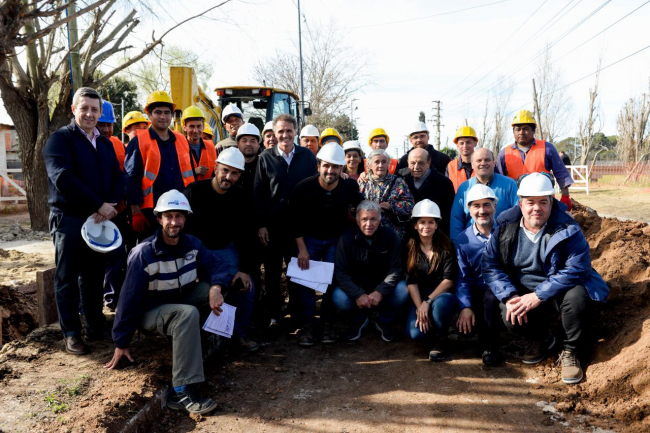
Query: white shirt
287 157
533 237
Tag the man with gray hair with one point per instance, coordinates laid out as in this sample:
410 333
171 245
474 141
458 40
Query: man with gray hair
85 180
368 270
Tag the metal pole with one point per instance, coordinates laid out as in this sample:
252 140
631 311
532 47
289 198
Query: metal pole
539 114
302 81
122 119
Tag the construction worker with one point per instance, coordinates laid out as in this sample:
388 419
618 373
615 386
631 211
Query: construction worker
319 206
278 171
379 140
309 138
537 264
528 155
208 135
479 312
504 188
232 240
419 138
268 136
172 283
460 169
105 127
248 143
134 120
202 155
329 135
354 164
232 118
157 161
85 181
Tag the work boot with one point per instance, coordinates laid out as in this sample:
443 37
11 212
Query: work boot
538 350
187 401
306 336
571 369
328 335
439 350
491 357
354 330
75 345
386 333
245 344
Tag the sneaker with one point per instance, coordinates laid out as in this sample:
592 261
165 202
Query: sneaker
571 369
306 336
538 350
354 331
386 333
190 403
245 344
329 335
491 357
439 351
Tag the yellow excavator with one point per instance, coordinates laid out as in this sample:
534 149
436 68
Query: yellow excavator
258 104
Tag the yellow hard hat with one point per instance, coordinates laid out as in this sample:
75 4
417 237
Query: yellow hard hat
207 130
159 96
329 132
465 131
192 112
377 132
133 117
524 117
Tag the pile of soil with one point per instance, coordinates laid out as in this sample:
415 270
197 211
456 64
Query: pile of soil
18 233
17 311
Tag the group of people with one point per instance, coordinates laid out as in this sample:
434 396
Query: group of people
423 239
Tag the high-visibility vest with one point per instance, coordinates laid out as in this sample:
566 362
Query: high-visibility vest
534 160
119 150
392 165
151 161
208 159
455 175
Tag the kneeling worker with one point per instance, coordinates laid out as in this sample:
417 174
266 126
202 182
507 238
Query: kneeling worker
162 293
537 264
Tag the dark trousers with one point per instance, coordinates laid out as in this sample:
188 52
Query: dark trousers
116 260
281 247
486 309
572 306
79 276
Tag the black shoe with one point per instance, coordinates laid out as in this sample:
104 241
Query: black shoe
491 357
328 335
75 345
245 344
538 350
354 331
306 336
386 333
439 350
190 403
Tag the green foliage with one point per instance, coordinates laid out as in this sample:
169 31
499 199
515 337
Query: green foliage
54 404
340 122
450 152
115 90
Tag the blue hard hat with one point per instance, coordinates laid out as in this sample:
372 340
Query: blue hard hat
107 113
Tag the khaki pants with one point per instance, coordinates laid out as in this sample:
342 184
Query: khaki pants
182 322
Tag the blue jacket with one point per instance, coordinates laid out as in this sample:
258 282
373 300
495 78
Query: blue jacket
81 178
469 251
504 188
156 274
567 262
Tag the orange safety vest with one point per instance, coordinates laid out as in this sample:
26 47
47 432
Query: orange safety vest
534 162
119 150
392 165
151 162
455 175
208 159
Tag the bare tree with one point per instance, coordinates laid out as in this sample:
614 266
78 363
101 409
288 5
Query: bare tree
555 106
633 143
37 93
333 73
589 126
486 127
501 95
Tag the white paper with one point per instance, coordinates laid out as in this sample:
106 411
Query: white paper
223 324
320 272
319 287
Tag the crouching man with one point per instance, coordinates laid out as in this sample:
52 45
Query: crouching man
162 293
368 270
537 264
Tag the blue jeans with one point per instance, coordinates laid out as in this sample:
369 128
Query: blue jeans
441 311
386 310
243 301
303 299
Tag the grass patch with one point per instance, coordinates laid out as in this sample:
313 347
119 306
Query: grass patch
54 404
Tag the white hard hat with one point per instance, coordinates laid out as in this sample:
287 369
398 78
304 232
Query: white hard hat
231 109
332 153
268 127
535 185
479 192
172 200
309 131
248 129
102 237
426 208
419 127
232 157
351 145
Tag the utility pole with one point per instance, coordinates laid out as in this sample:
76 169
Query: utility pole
122 104
73 38
436 122
352 118
302 82
539 115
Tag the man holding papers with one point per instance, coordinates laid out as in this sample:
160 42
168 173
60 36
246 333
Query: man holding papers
368 270
320 205
163 293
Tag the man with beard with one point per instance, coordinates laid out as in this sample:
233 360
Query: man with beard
419 139
220 213
202 156
248 143
320 207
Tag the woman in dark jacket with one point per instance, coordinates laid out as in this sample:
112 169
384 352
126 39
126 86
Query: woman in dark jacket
432 270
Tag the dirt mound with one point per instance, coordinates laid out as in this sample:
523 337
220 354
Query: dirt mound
18 311
618 380
18 233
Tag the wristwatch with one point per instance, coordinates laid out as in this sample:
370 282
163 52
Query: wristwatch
428 300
